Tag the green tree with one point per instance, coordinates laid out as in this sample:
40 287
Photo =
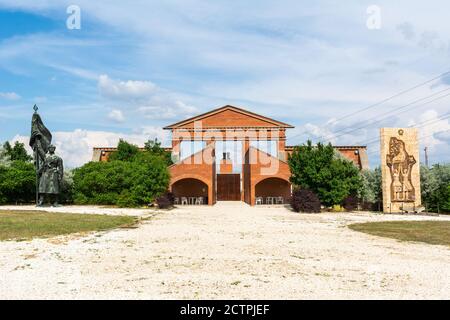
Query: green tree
318 169
125 151
16 152
446 205
371 190
434 184
4 158
67 189
17 182
154 147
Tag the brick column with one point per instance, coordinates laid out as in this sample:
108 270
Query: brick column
211 143
245 195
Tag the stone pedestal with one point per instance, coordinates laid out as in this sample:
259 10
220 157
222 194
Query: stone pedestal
400 169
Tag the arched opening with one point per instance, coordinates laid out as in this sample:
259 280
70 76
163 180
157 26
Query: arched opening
272 191
190 191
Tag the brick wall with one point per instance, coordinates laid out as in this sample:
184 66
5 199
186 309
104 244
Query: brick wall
196 168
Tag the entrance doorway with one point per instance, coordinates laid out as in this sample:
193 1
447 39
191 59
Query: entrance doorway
228 187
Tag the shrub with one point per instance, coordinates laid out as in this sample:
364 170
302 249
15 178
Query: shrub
350 203
304 200
372 206
337 208
122 183
17 182
166 200
126 200
66 195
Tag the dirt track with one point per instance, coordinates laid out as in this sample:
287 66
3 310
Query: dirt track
227 251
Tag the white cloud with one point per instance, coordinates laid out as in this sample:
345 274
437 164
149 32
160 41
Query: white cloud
407 30
296 62
443 136
144 98
171 110
131 89
9 95
116 116
434 133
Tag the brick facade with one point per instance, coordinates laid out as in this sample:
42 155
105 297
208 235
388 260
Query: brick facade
195 167
262 174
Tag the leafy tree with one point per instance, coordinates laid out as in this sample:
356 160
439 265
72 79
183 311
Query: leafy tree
154 147
16 152
318 169
446 205
67 189
125 151
4 158
435 183
371 190
122 183
130 152
17 182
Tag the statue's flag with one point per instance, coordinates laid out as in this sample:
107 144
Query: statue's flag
39 130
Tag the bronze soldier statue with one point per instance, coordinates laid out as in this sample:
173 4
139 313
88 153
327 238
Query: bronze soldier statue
50 176
49 167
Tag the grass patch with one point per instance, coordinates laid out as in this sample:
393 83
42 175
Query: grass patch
432 232
24 225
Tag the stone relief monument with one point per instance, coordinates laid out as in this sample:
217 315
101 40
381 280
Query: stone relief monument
49 166
400 170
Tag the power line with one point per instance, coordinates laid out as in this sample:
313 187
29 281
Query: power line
327 138
380 102
420 139
417 125
392 97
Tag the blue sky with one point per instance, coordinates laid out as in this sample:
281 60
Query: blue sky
136 66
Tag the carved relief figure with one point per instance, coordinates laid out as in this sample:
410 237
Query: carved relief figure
400 164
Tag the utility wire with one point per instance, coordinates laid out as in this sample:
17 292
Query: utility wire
421 138
417 125
370 122
378 103
392 97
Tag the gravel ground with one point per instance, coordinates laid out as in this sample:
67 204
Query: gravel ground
229 251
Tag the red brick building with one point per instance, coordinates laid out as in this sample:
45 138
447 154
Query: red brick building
232 154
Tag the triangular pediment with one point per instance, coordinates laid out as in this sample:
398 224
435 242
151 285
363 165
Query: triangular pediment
229 117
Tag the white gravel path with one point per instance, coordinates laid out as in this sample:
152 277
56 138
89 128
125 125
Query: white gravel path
229 251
